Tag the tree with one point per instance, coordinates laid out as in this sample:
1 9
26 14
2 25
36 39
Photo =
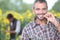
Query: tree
14 5
56 7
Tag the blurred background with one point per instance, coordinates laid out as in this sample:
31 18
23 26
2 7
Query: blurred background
22 10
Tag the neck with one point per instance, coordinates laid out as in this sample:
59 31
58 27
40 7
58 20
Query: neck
41 22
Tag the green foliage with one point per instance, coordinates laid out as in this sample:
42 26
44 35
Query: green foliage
17 5
56 7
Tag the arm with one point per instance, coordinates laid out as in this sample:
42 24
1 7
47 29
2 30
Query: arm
18 27
57 25
25 35
10 31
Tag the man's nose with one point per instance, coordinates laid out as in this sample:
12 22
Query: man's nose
41 11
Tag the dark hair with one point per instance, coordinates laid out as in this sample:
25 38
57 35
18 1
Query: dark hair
40 1
9 16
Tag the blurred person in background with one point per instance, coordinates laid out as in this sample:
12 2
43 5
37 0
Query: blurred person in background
45 25
15 26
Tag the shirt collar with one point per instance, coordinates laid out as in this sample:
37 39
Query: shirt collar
35 24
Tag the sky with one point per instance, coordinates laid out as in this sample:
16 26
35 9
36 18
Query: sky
50 3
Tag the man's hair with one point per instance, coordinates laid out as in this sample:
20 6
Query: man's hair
9 16
40 1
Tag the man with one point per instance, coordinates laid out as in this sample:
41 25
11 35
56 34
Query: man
14 26
44 27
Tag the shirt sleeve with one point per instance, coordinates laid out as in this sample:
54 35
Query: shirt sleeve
18 26
25 35
58 33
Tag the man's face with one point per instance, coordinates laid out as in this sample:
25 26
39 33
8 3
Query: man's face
10 19
40 9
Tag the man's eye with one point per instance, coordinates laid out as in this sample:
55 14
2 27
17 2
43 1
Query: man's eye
44 8
37 9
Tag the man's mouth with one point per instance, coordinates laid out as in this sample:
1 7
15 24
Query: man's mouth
40 17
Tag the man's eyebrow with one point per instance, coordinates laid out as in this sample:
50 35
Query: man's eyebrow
37 8
44 8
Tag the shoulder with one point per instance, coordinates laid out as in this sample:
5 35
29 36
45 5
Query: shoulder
28 26
18 21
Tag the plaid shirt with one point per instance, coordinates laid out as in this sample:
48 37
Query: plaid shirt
34 31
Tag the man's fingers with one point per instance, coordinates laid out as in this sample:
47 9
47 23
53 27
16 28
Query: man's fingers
46 16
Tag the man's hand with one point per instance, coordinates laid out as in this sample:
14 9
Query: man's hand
50 17
9 31
6 31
